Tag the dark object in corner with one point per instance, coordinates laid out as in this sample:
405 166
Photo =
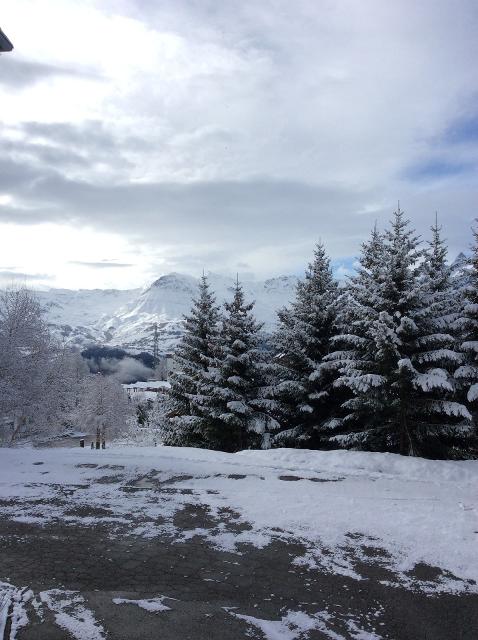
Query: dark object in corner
5 44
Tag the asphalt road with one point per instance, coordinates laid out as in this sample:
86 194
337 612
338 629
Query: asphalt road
206 587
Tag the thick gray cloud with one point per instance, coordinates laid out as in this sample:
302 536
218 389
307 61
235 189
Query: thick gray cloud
215 211
92 136
67 147
19 73
225 220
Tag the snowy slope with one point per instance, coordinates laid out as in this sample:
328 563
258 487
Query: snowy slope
79 316
125 318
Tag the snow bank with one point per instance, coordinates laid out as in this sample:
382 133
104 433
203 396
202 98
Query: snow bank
365 462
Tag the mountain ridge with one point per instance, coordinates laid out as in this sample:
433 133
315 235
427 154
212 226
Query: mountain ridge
124 317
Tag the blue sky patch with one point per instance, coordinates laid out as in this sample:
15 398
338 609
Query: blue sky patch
436 169
463 130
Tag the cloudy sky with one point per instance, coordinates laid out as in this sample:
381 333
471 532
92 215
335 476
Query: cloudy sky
140 137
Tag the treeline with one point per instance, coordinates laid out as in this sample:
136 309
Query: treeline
387 362
45 387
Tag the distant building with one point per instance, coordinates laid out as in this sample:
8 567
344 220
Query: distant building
5 44
146 390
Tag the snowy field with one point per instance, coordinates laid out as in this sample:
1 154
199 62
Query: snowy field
345 509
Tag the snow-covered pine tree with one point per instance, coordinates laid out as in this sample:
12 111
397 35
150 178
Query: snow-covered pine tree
359 420
192 382
239 420
467 373
460 275
395 360
302 383
445 430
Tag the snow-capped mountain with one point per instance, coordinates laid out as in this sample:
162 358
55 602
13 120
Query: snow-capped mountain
126 318
79 316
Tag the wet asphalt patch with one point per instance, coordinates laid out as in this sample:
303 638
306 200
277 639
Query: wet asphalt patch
212 588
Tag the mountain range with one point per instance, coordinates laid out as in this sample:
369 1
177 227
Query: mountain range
125 318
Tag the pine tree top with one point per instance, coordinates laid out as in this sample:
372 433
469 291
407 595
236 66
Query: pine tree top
239 319
435 265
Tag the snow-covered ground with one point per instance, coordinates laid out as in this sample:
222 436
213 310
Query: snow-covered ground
339 504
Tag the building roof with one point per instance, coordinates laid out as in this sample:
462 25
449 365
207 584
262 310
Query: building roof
5 44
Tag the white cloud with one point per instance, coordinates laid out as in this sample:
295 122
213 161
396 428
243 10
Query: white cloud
53 249
348 102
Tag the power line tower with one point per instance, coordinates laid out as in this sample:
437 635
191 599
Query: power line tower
155 332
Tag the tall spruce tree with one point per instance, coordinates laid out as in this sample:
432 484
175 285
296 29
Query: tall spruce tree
467 373
391 354
238 417
302 384
193 381
354 353
446 433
